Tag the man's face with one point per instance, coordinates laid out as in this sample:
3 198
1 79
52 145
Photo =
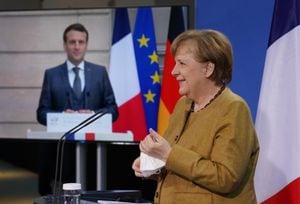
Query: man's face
75 46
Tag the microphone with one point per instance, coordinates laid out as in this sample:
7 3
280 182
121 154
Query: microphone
60 149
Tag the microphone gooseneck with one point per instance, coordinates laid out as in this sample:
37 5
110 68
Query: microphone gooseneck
60 150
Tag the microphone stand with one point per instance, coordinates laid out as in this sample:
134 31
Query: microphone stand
60 149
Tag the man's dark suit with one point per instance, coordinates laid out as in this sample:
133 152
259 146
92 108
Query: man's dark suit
56 96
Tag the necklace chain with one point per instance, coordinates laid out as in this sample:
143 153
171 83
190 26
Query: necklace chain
211 100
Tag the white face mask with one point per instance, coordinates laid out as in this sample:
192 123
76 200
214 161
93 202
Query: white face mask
150 165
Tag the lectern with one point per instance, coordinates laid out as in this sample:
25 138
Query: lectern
99 131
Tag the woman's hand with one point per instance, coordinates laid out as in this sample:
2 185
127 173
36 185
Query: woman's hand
136 167
156 146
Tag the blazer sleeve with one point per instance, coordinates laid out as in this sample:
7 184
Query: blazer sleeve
107 98
110 98
53 96
44 101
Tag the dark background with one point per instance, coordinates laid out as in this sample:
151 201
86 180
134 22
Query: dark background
120 176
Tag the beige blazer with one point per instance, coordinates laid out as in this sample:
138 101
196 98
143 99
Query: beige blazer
213 158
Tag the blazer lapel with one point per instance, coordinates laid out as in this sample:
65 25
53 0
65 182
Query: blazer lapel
65 77
88 77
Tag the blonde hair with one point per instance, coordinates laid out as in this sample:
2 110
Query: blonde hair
210 46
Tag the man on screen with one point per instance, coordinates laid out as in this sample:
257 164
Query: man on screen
74 86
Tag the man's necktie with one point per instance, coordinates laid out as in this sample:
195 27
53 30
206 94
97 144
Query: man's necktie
77 82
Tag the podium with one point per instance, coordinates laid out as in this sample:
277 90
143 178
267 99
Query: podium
84 127
100 138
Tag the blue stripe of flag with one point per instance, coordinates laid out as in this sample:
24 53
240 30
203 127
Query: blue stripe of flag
286 16
70 136
121 27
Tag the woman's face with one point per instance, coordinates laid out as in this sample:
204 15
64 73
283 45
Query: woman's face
190 74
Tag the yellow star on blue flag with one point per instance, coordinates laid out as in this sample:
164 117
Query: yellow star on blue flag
155 77
143 41
150 96
153 57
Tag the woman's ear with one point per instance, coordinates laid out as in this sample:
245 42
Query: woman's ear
209 69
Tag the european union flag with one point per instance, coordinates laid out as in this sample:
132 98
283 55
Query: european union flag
147 64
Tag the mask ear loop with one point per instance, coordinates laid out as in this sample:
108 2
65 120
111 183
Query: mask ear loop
158 171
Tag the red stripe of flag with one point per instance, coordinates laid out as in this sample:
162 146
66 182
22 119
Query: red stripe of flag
130 118
89 136
289 194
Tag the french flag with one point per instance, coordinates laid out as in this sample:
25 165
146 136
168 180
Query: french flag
277 178
124 79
